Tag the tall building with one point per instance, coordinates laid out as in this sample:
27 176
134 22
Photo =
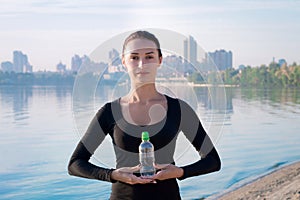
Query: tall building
114 57
76 63
60 67
190 50
7 66
20 62
222 59
28 68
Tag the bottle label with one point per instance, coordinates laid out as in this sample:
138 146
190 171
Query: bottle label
147 159
147 164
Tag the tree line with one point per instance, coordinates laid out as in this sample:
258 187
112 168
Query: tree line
272 75
38 78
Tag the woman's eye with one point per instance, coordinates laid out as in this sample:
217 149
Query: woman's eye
149 57
134 57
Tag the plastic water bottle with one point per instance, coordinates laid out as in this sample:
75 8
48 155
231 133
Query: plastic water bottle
146 155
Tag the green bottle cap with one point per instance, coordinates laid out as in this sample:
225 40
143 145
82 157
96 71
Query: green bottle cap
145 136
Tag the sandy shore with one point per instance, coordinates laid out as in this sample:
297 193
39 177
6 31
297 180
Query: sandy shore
283 183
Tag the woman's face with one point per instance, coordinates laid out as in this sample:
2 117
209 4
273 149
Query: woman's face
141 60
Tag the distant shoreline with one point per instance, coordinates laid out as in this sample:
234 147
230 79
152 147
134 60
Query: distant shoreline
211 85
112 83
282 183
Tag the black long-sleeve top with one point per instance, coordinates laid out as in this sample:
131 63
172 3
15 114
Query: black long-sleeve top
126 138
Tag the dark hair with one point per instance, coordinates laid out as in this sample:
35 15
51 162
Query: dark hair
142 35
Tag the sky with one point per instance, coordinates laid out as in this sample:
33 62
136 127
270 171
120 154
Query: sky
52 31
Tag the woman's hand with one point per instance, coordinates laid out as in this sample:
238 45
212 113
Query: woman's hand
125 174
167 171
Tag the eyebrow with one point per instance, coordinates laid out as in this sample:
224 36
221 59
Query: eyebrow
151 52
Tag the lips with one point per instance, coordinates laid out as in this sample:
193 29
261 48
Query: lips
142 73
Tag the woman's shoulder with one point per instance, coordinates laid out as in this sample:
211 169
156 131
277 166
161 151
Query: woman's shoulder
111 102
176 100
179 105
109 106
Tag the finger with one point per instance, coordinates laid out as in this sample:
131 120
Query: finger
132 179
161 166
135 168
148 179
130 169
126 170
143 180
153 181
158 175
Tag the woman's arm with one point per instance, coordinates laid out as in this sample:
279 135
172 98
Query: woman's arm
79 164
194 131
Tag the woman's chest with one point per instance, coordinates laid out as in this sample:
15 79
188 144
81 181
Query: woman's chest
149 114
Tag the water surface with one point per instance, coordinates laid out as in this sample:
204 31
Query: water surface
38 133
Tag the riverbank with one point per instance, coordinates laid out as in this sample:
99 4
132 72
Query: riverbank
283 183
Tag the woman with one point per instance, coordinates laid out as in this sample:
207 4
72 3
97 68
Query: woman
144 109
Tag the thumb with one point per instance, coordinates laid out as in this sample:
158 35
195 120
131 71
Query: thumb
135 168
131 169
161 166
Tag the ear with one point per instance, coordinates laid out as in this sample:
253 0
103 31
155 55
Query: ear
123 60
123 63
160 60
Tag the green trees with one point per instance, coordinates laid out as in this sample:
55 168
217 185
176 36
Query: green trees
264 76
38 78
272 75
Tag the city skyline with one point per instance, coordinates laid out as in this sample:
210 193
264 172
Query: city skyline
53 31
221 58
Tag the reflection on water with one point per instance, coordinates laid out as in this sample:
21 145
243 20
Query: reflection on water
222 104
16 98
39 130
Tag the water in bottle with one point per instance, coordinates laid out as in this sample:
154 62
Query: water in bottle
146 156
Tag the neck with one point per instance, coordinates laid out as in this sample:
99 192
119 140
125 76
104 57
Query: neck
143 93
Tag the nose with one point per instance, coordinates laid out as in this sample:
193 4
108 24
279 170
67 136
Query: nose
141 63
